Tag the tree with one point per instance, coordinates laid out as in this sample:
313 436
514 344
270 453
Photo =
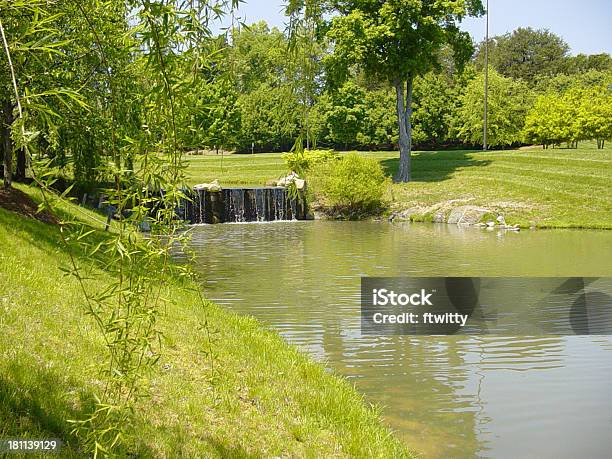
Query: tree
27 44
395 41
576 114
594 120
548 121
270 118
583 63
508 104
525 54
434 102
380 123
257 55
563 82
220 128
342 113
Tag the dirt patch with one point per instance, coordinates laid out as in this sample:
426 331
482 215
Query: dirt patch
17 201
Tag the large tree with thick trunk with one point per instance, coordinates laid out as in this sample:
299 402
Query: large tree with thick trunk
396 41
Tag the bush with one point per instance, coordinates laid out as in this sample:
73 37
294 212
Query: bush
302 161
349 187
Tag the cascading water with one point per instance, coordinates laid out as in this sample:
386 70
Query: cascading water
234 205
260 204
279 196
201 205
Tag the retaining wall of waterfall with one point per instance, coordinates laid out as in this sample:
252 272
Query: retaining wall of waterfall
233 205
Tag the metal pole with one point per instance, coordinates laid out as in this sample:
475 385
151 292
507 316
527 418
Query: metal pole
486 83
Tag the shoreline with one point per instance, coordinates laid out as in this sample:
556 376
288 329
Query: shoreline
263 397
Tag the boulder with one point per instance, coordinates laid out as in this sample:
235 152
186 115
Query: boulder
292 178
300 183
469 215
438 217
212 186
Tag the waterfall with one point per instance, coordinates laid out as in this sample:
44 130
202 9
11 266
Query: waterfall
236 205
260 205
280 203
201 205
233 205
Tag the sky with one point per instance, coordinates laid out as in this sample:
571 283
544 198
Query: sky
586 25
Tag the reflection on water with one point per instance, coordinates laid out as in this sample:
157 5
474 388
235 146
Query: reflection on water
448 397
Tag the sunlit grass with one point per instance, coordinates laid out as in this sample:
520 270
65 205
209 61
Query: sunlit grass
236 170
531 187
535 187
263 398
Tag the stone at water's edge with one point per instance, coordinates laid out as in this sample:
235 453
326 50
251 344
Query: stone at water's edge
468 215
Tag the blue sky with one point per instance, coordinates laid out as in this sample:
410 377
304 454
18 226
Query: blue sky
585 25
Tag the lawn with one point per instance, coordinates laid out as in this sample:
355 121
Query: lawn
266 399
236 170
534 187
530 187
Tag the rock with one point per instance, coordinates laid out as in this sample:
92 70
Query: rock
212 186
404 215
299 183
490 224
318 216
292 177
466 214
438 218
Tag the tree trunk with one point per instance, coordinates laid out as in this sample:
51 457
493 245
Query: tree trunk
404 119
21 166
7 141
1 152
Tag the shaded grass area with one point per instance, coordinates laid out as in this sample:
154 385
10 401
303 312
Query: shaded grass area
555 188
264 398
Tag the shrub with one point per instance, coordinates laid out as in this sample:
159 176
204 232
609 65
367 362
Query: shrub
349 187
302 161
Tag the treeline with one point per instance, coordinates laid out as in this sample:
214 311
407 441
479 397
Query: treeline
530 69
255 89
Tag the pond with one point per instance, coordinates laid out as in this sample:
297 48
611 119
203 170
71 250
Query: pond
460 396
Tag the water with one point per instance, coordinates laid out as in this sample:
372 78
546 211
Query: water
453 397
240 205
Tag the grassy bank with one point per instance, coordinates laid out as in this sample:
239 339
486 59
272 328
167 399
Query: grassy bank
266 399
532 187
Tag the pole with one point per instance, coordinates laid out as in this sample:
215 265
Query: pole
486 83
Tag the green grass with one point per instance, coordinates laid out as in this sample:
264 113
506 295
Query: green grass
266 399
236 170
560 188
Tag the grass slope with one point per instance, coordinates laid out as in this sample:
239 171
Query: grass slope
531 187
266 398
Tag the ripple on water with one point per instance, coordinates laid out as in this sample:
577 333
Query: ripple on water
491 396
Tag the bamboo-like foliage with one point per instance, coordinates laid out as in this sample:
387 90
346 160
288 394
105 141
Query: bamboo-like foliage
116 92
